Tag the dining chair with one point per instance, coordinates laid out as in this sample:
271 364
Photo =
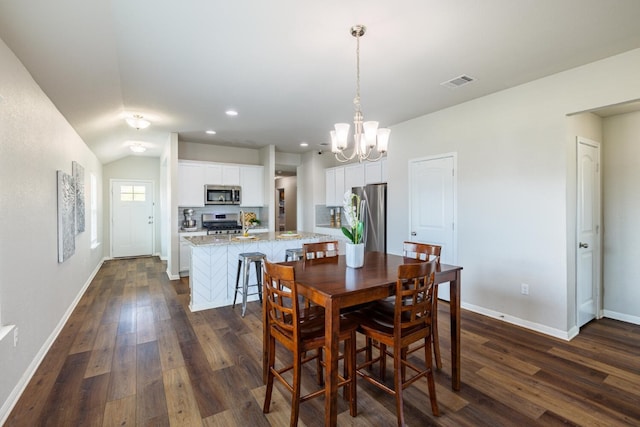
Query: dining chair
320 250
425 251
301 331
409 323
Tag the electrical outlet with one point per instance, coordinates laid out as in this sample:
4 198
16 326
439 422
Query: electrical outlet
15 336
524 289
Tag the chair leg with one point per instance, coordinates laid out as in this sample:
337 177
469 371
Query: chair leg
430 380
397 380
245 287
319 370
350 361
270 366
434 330
259 279
295 392
403 367
235 294
383 361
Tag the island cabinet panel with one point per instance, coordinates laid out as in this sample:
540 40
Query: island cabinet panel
214 265
208 277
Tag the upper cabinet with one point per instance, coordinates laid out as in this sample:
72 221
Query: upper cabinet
193 176
252 183
342 178
353 176
191 184
221 174
334 186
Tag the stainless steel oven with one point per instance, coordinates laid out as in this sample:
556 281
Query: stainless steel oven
222 195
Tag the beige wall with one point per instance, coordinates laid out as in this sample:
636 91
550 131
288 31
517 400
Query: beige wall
217 153
621 175
516 188
37 293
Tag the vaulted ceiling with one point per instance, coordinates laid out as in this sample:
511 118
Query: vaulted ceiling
288 66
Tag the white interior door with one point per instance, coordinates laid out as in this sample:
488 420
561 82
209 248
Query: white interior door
588 228
432 206
131 218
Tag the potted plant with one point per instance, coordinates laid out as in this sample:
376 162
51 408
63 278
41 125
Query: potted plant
353 212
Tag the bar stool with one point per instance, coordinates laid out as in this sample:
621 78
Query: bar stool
294 254
247 258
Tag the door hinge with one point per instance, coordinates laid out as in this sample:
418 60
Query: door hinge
597 167
453 226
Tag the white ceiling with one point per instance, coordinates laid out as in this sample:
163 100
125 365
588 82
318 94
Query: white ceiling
288 66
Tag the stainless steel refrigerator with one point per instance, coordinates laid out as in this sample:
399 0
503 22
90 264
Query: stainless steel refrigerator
375 218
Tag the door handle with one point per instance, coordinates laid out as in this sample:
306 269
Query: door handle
413 233
583 245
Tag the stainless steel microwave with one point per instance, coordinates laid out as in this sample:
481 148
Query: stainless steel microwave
222 195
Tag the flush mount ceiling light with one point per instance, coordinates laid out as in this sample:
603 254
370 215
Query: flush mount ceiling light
231 113
138 122
367 137
137 148
210 132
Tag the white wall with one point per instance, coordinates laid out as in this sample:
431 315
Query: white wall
621 169
515 173
218 153
36 292
134 168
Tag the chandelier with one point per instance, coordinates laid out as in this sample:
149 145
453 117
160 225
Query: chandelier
368 138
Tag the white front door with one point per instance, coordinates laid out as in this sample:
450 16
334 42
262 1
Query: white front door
131 218
588 228
432 206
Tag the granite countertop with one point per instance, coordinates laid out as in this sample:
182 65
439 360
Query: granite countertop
231 239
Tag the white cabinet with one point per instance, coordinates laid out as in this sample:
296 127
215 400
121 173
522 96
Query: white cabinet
334 186
190 184
213 174
185 250
221 174
330 186
252 183
353 176
340 188
231 175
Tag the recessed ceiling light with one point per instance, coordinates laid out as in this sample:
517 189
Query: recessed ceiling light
137 148
211 132
232 113
304 144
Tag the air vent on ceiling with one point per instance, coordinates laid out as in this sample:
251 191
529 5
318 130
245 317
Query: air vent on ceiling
456 82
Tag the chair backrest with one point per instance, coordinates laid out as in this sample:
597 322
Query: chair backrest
281 298
328 249
421 251
414 295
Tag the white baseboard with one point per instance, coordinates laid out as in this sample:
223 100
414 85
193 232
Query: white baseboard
17 391
172 276
557 333
621 316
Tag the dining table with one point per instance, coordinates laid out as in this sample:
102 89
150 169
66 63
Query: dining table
334 286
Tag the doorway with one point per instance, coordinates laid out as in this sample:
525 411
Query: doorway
588 208
432 206
132 221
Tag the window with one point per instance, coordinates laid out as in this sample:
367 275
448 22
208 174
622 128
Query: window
94 211
132 193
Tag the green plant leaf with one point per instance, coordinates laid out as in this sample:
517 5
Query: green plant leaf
348 234
359 232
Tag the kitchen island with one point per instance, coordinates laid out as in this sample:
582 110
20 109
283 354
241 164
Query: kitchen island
214 262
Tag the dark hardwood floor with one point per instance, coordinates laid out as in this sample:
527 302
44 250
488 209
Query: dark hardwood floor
133 354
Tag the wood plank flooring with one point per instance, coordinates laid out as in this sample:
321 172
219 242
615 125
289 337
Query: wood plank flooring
133 354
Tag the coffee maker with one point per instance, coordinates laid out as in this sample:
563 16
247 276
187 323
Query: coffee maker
189 222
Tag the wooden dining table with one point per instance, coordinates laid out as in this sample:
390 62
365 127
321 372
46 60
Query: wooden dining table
335 286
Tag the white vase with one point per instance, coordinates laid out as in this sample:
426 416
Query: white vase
355 255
